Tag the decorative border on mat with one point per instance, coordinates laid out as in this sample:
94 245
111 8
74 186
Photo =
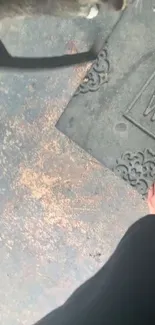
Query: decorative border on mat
137 168
97 75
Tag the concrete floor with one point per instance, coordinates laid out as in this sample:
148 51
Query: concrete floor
62 213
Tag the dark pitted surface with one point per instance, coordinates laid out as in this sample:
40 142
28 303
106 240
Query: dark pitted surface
112 115
61 211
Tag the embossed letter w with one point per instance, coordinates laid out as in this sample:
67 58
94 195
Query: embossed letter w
150 109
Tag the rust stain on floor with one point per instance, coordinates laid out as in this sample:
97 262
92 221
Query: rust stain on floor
55 177
49 186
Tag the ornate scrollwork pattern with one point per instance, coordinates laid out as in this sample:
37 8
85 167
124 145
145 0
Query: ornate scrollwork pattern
138 169
97 75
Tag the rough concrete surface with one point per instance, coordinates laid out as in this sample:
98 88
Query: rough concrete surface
62 213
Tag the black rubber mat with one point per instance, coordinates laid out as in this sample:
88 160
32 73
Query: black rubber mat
112 114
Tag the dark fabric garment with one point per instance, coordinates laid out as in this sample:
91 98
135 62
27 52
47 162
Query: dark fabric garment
123 291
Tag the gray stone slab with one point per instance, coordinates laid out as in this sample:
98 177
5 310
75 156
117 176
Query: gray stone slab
112 115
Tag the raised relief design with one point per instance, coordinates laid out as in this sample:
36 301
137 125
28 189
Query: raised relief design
150 109
97 75
141 111
137 168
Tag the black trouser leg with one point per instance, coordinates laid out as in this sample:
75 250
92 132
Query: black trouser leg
123 291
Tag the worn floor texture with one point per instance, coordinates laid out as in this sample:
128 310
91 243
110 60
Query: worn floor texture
62 212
